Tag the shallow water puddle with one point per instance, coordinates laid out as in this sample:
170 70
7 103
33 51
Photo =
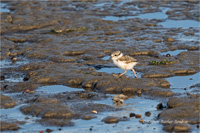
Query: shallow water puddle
106 58
54 89
137 105
13 113
184 81
173 53
101 4
4 7
129 73
156 15
14 79
184 38
180 24
9 63
181 85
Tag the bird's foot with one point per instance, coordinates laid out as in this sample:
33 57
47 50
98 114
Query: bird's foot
116 75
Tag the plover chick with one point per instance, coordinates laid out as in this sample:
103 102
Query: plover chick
124 61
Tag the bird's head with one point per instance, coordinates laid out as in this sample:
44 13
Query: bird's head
115 55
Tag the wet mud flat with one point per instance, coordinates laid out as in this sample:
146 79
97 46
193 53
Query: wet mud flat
57 76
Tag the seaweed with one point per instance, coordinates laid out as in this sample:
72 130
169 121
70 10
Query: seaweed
164 62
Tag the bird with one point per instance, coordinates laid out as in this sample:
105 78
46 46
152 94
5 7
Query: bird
124 61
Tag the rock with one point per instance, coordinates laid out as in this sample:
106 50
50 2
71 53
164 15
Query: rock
25 78
34 66
157 41
139 53
45 100
49 110
5 87
22 86
26 118
177 127
37 55
168 55
132 114
62 59
74 53
186 114
7 102
170 39
138 116
181 127
141 121
128 85
189 33
160 93
183 102
88 107
2 77
8 126
147 113
88 117
111 119
56 122
160 106
48 130
193 48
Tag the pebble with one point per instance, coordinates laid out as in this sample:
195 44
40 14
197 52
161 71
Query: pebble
26 79
5 87
138 116
170 39
147 113
94 111
168 55
132 114
159 106
2 77
141 121
139 92
31 92
48 130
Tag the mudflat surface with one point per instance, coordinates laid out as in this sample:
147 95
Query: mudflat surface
57 75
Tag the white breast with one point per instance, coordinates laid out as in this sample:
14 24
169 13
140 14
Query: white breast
123 65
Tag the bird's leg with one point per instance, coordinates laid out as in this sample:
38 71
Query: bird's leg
123 73
134 72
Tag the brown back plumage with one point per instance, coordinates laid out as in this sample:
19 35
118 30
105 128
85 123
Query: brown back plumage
127 59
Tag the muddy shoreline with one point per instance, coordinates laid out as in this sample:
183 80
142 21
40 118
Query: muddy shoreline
56 74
